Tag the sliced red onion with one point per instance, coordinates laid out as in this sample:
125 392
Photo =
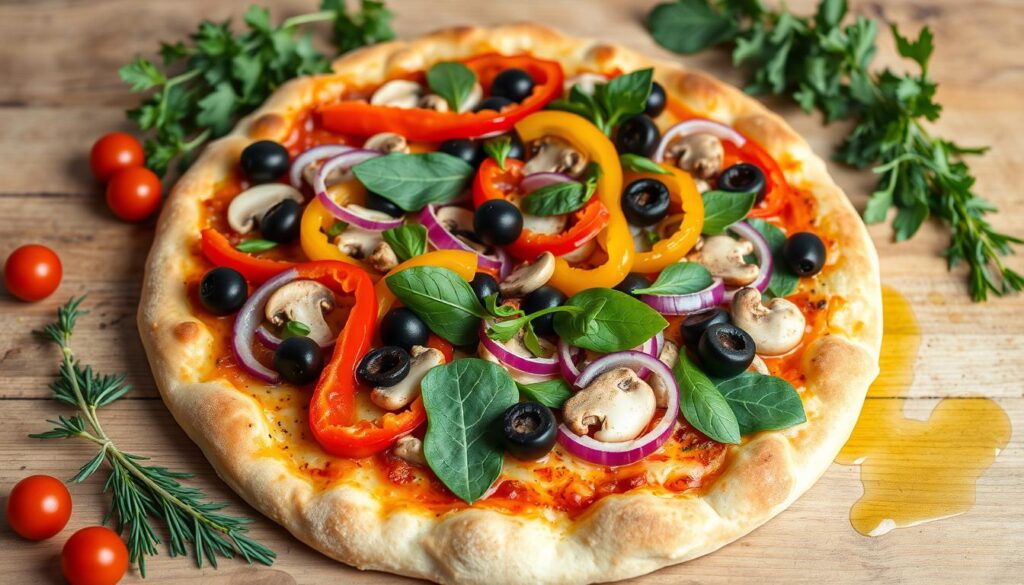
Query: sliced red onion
310 156
344 161
531 183
697 126
627 452
567 356
271 341
528 365
689 303
762 251
360 216
249 318
442 239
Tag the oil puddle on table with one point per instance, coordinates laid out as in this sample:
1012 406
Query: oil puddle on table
916 471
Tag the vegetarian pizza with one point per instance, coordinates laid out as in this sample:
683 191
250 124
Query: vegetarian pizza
504 306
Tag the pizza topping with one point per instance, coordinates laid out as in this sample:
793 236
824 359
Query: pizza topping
384 366
638 135
571 359
358 243
668 356
513 84
398 93
632 282
645 202
387 142
400 394
657 101
403 328
683 288
299 360
743 178
265 161
223 291
383 257
695 324
585 82
303 301
529 277
525 365
725 350
804 253
699 154
678 232
544 297
776 327
552 154
465 149
616 406
250 206
695 126
528 430
498 222
410 450
451 228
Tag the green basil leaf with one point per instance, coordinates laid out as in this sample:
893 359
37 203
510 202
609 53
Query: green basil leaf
444 301
641 164
452 81
498 149
255 246
783 282
464 401
624 96
679 279
411 181
611 321
689 26
554 199
550 393
335 229
531 341
492 306
762 403
723 208
295 329
652 237
407 241
502 331
702 405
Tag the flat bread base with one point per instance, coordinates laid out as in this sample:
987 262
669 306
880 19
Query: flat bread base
620 536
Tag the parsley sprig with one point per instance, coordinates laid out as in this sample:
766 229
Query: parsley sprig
824 65
141 493
222 75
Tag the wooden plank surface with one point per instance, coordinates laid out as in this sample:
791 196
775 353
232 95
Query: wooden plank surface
58 62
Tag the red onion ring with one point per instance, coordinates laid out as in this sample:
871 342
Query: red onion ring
347 214
272 341
346 161
627 452
250 316
571 372
762 251
528 365
310 156
531 183
442 239
689 303
695 126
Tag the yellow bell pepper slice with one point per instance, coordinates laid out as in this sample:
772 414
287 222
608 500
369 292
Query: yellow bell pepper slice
316 220
458 261
685 196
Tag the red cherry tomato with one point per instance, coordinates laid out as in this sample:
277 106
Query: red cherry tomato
94 556
134 194
39 507
32 272
113 152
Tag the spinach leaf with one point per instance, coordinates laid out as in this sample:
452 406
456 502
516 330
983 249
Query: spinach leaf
722 209
762 403
452 81
689 26
559 198
609 321
702 405
255 246
679 279
411 181
550 393
498 148
783 281
464 400
444 301
408 240
641 164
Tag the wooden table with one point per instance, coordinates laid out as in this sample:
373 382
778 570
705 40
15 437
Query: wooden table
58 62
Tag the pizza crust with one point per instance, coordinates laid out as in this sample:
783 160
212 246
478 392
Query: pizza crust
620 536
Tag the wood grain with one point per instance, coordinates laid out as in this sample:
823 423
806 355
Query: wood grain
60 91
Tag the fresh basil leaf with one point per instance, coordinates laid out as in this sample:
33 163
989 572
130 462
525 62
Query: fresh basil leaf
702 405
407 241
641 164
652 237
723 208
452 81
295 329
561 198
492 306
335 229
255 246
783 282
624 96
611 321
444 301
550 393
531 341
762 403
502 331
498 149
464 401
689 26
411 181
679 279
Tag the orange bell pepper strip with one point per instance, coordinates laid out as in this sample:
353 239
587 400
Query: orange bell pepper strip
461 262
220 252
315 220
685 199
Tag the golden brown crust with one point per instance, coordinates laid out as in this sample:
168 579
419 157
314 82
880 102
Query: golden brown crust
620 536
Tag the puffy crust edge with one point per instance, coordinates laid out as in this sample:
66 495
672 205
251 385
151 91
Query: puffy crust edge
621 536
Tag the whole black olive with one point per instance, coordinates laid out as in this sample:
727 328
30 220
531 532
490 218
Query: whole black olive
725 350
281 222
514 84
299 360
464 149
804 253
379 203
528 430
223 291
656 101
695 324
632 282
265 161
484 285
383 366
403 328
743 178
544 297
496 103
645 202
498 222
637 135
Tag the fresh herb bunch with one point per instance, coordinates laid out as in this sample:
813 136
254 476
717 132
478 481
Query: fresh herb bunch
224 75
141 492
824 65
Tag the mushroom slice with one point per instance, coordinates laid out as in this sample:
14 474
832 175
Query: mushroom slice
586 82
552 154
249 206
357 242
617 402
699 154
304 301
398 93
545 224
776 327
476 95
582 253
434 102
669 355
459 222
383 258
404 392
723 257
387 142
410 450
529 277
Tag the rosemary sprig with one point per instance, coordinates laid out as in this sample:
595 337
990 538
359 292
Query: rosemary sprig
141 493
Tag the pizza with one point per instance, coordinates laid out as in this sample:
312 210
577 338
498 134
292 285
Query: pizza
506 306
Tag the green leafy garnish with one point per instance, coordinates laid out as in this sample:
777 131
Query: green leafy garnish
550 393
561 198
651 237
295 329
444 301
498 149
762 403
532 342
679 279
502 331
407 241
611 103
702 405
724 208
492 306
452 81
641 164
335 229
606 320
255 246
411 181
783 282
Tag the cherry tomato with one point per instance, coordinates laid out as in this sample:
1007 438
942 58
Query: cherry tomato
113 152
39 507
134 194
32 272
95 555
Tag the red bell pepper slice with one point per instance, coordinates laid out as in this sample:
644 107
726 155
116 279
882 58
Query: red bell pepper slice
220 252
362 119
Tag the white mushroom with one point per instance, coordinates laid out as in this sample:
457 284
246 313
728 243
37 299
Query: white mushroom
582 253
398 93
387 142
545 224
476 95
776 327
383 258
618 403
529 277
357 242
249 206
723 257
304 301
586 82
698 154
410 450
459 222
669 355
404 392
552 154
434 102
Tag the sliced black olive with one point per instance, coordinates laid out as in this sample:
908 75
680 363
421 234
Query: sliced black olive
632 282
281 222
299 360
484 285
517 149
496 103
638 135
725 350
743 178
645 202
657 101
223 291
498 222
544 297
695 324
514 84
383 366
403 328
464 149
804 253
379 203
265 161
528 430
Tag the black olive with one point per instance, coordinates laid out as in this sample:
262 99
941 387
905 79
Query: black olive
804 253
379 203
299 360
695 324
638 135
281 222
514 84
645 202
725 350
528 430
223 291
383 366
544 297
498 222
265 161
743 178
496 103
516 149
403 328
464 149
484 285
632 282
657 101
